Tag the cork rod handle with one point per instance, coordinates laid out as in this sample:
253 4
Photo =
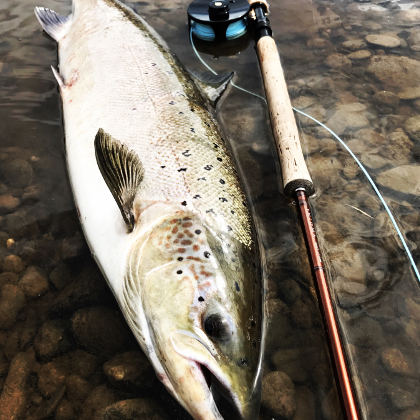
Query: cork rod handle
294 170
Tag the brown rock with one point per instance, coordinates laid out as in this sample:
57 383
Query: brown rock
51 339
129 368
98 399
412 126
8 203
278 394
13 397
338 62
64 410
395 361
100 330
383 40
77 388
410 415
354 44
83 363
34 282
11 302
52 376
13 263
60 276
360 55
403 178
387 98
17 173
138 408
330 406
305 404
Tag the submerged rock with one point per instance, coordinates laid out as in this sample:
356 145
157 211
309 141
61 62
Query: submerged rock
278 394
396 362
412 126
8 203
17 173
34 283
405 179
138 408
51 339
12 300
383 40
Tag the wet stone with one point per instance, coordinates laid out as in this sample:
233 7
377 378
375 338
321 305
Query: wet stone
77 388
12 301
13 263
51 339
17 173
83 363
410 415
295 362
138 408
99 398
8 277
301 314
52 376
14 395
354 44
395 361
305 404
129 369
359 55
8 203
60 276
404 178
383 40
64 410
330 406
278 394
289 290
100 330
338 62
412 127
34 283
400 398
387 98
414 40
73 247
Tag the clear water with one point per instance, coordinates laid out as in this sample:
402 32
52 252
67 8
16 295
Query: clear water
50 358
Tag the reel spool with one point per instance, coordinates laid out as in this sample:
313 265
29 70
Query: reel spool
218 20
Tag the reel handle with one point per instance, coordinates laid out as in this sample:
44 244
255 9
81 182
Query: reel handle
294 170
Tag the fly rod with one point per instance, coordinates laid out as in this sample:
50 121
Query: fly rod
225 20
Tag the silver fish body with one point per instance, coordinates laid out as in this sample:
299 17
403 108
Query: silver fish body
160 204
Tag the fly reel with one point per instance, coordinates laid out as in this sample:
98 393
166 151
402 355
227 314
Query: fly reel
218 20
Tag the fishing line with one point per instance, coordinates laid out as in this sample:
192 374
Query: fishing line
343 144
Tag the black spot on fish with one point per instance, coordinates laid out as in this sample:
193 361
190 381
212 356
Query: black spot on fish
133 109
207 254
232 211
180 112
180 258
172 103
208 125
210 211
244 203
243 362
182 170
184 203
237 287
228 228
197 196
222 181
219 159
179 272
208 167
192 130
163 166
186 153
192 109
197 232
203 178
153 64
201 299
216 146
223 199
253 323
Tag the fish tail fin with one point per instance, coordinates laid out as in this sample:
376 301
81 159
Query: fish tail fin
53 24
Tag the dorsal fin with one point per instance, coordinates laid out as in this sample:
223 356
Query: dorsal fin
52 23
122 172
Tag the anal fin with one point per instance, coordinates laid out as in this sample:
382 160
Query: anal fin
53 24
122 172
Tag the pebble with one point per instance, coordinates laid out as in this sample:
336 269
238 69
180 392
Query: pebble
60 276
305 404
400 398
83 363
17 173
52 339
395 362
34 282
301 314
138 408
383 40
100 330
410 415
385 97
12 300
354 44
360 55
129 369
73 247
99 398
330 406
409 93
349 261
52 375
348 117
412 127
13 263
278 394
8 203
14 395
414 40
77 388
64 410
404 178
338 61
295 362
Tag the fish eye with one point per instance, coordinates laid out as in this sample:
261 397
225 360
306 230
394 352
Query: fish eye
217 327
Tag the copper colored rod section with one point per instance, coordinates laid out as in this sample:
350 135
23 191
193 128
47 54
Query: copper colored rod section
324 293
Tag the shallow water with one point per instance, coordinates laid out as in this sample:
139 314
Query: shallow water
60 329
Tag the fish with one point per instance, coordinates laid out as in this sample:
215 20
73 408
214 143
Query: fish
161 205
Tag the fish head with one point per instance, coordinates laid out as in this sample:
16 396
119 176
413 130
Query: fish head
202 301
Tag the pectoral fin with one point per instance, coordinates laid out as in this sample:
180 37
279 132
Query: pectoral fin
122 172
212 86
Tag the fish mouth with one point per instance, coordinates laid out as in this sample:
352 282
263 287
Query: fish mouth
226 403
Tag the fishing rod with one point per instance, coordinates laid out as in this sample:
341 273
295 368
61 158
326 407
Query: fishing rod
219 20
